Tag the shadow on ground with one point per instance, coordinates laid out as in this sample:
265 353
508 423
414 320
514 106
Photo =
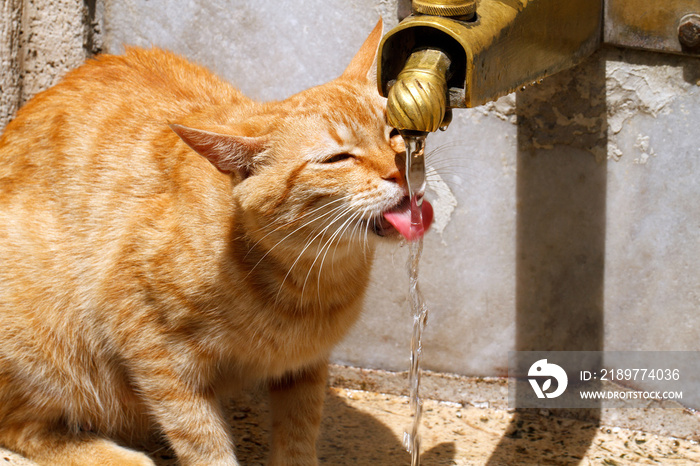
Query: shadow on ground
348 437
536 440
351 437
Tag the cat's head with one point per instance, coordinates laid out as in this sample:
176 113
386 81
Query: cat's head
322 165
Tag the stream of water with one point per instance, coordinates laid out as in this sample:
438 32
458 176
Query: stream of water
415 176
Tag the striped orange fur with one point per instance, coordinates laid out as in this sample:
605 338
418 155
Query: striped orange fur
165 240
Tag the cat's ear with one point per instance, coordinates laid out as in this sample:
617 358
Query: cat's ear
364 65
228 153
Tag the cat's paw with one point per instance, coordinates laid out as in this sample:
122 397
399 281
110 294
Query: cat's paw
100 452
125 456
292 460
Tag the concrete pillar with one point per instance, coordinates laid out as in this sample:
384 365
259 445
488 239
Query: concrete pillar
10 83
40 41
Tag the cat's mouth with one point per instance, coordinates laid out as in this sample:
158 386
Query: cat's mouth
397 221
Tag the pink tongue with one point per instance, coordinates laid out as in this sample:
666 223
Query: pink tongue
401 220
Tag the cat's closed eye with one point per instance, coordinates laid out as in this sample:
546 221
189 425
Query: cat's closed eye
339 158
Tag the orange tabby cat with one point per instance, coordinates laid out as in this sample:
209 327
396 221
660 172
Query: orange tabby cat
164 241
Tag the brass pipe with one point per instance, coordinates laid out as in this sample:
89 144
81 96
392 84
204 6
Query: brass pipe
504 46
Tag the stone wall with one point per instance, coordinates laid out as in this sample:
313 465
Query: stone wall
40 40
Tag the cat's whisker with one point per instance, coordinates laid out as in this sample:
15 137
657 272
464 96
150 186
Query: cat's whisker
321 233
347 244
450 175
347 209
337 234
301 217
446 155
358 228
311 267
440 149
445 169
364 240
357 224
365 243
335 209
290 222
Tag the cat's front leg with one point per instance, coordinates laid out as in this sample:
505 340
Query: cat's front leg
191 419
297 404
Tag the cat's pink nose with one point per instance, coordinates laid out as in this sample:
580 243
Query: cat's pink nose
395 176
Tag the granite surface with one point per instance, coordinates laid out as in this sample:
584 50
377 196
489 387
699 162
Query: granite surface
365 427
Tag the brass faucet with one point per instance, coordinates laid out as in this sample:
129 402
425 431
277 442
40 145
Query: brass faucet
464 53
417 101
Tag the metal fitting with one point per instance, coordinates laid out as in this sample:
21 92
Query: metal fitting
418 99
459 8
689 32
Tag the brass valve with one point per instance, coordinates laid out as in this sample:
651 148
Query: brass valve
417 100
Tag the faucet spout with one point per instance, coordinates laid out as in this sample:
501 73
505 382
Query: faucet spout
417 101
